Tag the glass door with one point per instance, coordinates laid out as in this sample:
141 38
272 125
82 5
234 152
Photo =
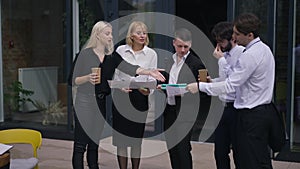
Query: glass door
263 11
32 62
295 117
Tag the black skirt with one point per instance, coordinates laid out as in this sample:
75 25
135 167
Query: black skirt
129 118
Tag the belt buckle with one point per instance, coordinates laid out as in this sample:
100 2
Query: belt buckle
100 96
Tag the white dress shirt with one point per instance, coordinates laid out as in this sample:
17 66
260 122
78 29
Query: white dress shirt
174 72
252 78
146 58
226 65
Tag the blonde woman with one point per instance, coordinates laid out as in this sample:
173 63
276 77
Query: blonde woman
129 132
90 103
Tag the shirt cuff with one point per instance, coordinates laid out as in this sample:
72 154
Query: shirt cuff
202 86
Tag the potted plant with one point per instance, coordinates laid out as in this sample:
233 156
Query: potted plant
52 113
16 97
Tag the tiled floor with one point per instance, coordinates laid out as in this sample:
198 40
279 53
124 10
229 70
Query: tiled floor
56 154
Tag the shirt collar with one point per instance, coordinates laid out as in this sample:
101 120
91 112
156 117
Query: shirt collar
252 43
230 53
129 49
184 57
227 54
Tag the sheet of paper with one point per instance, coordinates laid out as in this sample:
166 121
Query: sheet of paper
174 91
4 148
131 84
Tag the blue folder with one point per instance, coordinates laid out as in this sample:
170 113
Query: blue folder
164 86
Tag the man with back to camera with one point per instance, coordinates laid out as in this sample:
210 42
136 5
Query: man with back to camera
253 81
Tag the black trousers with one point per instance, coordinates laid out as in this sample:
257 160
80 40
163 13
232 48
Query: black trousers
225 137
178 140
253 128
82 141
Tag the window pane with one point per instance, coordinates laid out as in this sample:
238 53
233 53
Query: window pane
296 121
33 42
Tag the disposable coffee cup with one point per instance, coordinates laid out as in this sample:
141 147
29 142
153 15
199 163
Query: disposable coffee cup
98 71
203 75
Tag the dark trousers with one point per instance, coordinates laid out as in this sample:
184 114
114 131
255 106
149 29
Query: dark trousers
82 141
225 137
178 140
253 127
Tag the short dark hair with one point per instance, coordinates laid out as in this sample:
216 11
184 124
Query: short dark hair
247 23
183 34
222 30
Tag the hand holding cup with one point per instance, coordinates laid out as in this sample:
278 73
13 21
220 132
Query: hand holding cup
202 75
96 75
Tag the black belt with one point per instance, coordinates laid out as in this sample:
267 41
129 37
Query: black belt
259 107
228 104
99 95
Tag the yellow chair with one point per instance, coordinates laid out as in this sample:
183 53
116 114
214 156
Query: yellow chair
22 136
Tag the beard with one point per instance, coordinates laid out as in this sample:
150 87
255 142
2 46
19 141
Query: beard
227 48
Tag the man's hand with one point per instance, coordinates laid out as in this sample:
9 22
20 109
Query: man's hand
158 87
218 52
208 78
192 87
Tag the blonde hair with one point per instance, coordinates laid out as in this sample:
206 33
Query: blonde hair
93 41
131 28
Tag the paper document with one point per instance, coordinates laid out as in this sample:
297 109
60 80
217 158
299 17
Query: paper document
4 148
175 91
131 84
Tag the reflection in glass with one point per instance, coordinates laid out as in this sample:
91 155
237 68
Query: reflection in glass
296 114
29 43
